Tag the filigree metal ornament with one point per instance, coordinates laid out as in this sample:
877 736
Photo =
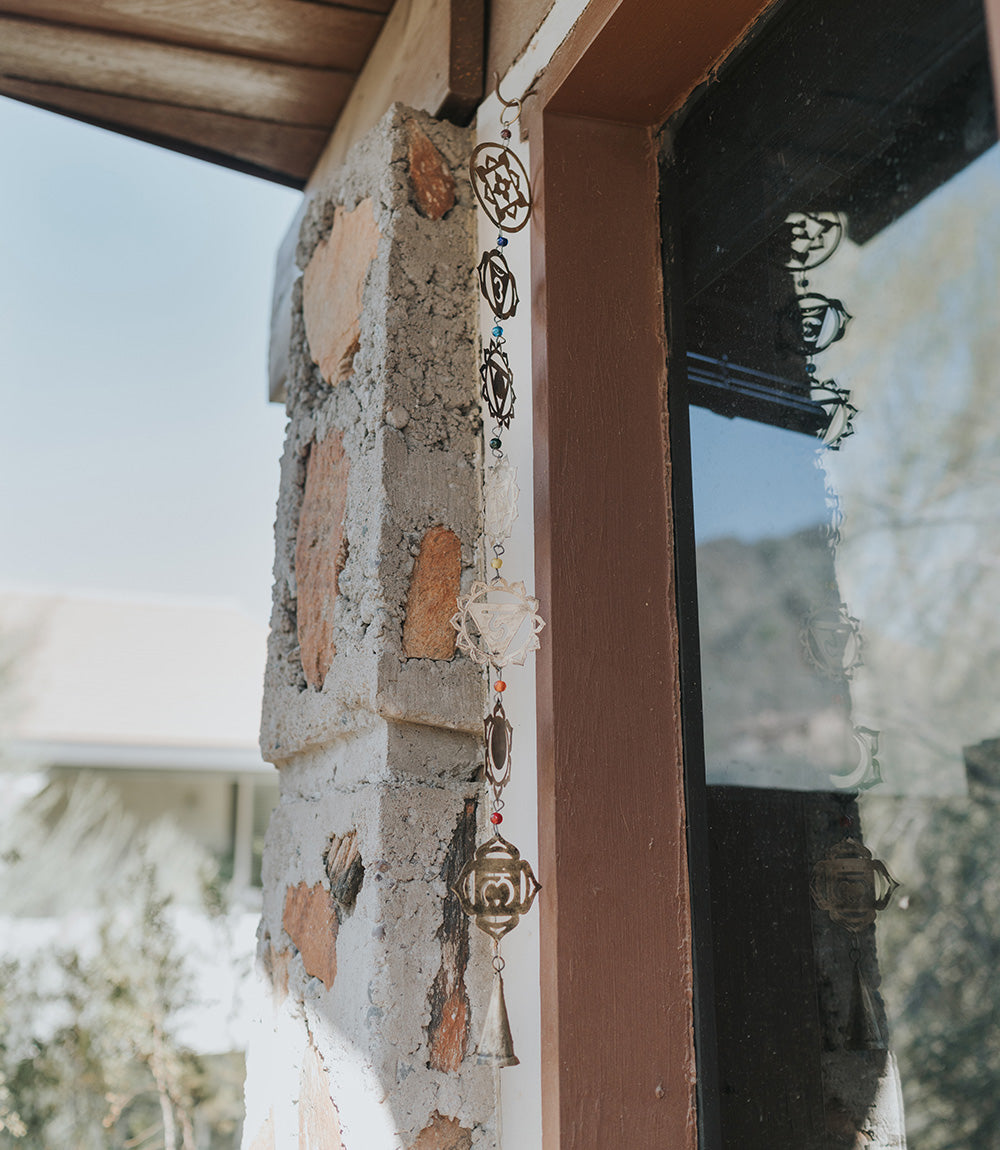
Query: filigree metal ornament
497 284
831 640
501 492
498 732
499 632
840 413
496 887
823 322
851 885
814 237
498 384
501 185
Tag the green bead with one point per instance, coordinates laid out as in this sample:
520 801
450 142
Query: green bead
495 444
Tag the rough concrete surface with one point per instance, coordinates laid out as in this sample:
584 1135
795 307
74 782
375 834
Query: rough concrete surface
375 972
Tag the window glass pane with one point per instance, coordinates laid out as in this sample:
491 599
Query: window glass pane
842 287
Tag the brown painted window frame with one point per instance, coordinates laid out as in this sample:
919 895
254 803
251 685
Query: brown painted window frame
617 981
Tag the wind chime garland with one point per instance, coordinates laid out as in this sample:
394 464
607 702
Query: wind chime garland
497 621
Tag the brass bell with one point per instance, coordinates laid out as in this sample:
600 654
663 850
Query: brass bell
496 1046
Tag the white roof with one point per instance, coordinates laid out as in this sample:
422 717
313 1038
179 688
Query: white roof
96 680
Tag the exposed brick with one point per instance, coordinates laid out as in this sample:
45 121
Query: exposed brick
320 554
319 1122
311 924
434 587
265 1135
278 965
430 177
448 1029
443 1134
345 870
332 288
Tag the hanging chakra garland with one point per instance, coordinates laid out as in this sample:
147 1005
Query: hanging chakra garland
497 621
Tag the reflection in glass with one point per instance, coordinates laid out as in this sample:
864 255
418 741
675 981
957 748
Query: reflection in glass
849 609
843 363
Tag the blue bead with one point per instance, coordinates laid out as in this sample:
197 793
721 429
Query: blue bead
501 241
810 367
497 332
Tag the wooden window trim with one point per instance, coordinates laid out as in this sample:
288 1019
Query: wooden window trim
616 960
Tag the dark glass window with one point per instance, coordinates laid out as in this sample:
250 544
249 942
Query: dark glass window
832 230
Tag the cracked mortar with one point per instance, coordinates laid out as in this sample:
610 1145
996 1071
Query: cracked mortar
377 749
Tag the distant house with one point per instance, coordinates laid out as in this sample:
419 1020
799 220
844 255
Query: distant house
159 697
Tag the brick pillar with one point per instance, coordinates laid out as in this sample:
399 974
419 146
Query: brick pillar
372 719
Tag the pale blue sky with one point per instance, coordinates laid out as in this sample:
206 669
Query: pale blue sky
138 451
753 481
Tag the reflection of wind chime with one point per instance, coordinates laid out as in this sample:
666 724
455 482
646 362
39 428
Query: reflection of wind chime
849 884
820 321
498 622
831 636
852 887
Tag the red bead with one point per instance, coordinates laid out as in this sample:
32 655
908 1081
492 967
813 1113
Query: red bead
505 134
500 686
496 818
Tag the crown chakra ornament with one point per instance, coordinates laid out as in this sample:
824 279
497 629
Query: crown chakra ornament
497 622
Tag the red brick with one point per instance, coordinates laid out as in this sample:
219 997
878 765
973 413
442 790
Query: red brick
332 288
265 1135
434 587
452 1036
443 1134
319 1122
320 553
430 177
311 924
278 965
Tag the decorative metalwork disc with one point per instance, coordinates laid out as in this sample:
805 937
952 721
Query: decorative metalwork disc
867 772
497 623
501 185
836 402
497 284
498 384
822 322
498 732
496 887
831 640
814 237
501 494
851 886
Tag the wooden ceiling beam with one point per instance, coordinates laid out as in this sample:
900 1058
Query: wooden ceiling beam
279 152
121 65
282 31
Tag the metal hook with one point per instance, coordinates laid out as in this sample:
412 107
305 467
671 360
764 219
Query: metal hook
507 104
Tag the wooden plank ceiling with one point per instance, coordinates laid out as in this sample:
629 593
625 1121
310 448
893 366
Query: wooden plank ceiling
255 85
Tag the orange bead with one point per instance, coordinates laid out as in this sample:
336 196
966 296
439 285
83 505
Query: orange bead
500 686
